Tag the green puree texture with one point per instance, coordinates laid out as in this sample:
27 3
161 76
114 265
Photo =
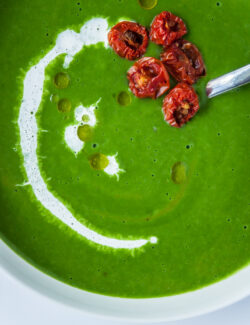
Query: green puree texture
202 224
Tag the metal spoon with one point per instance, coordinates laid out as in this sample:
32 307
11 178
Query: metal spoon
228 81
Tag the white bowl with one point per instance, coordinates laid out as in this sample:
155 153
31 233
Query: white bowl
176 307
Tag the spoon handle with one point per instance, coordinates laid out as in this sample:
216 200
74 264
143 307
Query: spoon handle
228 81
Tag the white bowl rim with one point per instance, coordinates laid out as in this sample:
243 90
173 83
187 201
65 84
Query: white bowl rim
194 303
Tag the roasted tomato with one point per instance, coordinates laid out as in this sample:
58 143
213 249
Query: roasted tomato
167 28
129 40
148 78
184 61
180 105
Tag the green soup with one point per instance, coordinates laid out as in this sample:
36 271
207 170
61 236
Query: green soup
127 205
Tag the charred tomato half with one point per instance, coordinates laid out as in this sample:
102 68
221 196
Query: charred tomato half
128 39
148 78
167 28
184 62
180 105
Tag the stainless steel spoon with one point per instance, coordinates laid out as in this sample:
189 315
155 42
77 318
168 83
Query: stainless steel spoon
228 81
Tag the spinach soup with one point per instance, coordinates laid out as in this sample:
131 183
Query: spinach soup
97 190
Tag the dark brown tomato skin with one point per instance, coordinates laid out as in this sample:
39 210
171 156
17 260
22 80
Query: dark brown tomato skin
128 39
180 105
148 78
184 62
167 28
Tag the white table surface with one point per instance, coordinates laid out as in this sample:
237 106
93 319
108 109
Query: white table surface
19 305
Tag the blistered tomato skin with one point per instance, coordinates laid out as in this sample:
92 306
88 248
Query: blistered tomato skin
129 40
180 105
167 28
148 78
184 62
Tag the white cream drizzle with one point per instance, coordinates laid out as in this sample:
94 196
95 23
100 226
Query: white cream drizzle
70 43
75 144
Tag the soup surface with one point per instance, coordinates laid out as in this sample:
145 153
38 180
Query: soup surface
126 205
